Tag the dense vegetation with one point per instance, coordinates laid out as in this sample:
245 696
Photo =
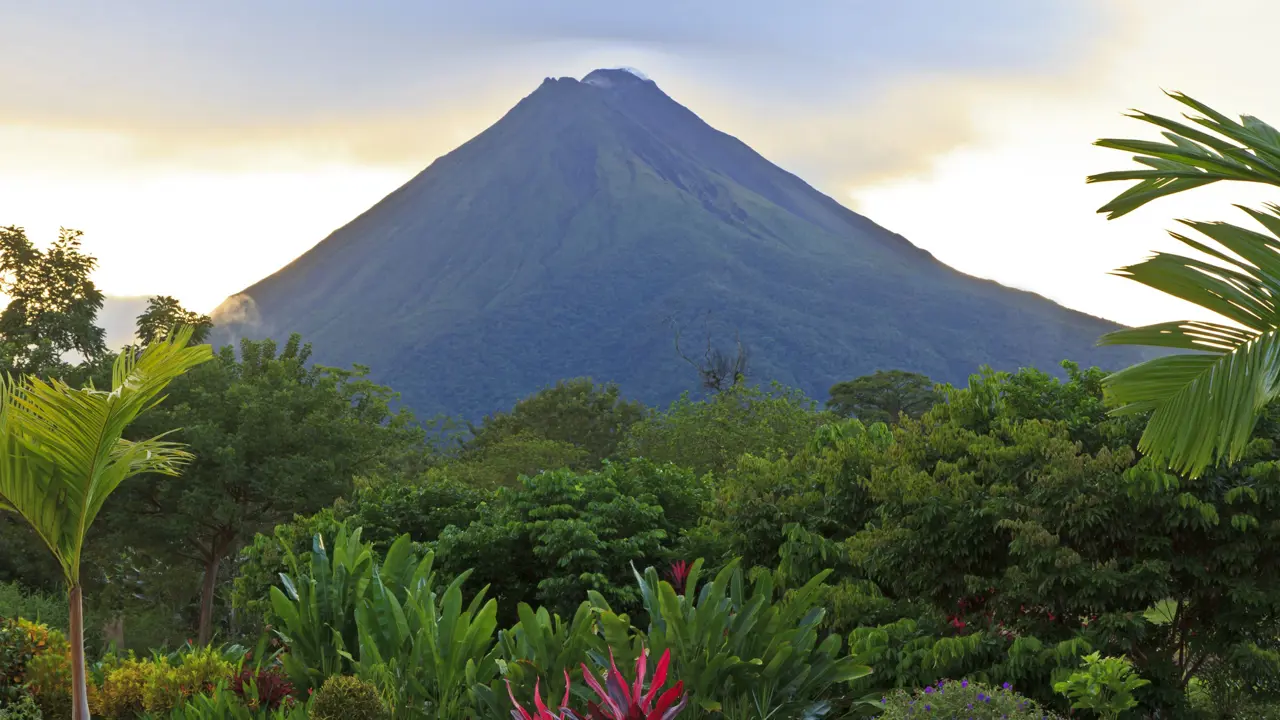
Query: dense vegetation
1001 548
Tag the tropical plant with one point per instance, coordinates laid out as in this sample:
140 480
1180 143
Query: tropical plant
1204 402
621 701
427 652
747 655
538 651
1103 685
343 697
223 704
17 648
24 708
316 610
963 699
63 455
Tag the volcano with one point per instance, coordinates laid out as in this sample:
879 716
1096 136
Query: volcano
568 239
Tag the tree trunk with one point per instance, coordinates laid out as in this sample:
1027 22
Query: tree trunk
79 688
206 596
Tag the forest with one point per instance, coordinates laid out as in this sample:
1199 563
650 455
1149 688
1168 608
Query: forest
238 532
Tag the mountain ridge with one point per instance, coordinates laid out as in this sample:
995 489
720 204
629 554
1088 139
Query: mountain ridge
591 213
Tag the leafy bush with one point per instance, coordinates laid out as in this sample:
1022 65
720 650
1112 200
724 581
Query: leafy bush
1104 685
343 697
17 648
748 655
963 699
23 709
425 650
49 673
262 688
223 704
47 608
563 533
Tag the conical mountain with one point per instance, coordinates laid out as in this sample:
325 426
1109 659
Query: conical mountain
562 240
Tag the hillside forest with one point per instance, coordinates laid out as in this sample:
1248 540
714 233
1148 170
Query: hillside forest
238 532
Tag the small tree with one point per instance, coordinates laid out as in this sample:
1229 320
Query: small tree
63 455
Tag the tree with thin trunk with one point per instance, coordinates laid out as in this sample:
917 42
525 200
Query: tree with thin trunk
274 436
62 453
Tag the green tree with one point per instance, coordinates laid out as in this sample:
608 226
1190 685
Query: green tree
53 303
1038 534
710 435
65 454
593 418
562 533
273 437
1204 402
165 312
883 396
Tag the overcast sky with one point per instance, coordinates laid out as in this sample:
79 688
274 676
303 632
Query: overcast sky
200 146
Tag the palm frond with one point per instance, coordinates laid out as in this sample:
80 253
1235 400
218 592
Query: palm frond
1247 150
63 451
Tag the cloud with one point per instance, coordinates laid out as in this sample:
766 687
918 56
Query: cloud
236 84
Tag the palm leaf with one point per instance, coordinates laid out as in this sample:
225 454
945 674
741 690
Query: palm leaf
1203 404
62 448
1247 150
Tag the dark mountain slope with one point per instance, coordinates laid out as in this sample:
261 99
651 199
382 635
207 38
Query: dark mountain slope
557 243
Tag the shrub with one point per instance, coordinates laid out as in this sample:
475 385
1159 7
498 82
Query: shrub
962 699
17 648
344 697
195 673
122 695
17 602
262 688
24 709
49 672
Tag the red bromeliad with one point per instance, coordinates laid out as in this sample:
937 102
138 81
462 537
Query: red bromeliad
620 702
679 574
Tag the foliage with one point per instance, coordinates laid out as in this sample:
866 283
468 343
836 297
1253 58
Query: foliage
273 437
317 608
17 647
222 704
164 313
563 533
963 699
622 701
1038 539
538 649
343 697
18 602
49 675
1204 403
262 688
388 508
747 655
710 435
883 396
52 303
426 651
64 454
593 418
1103 685
24 708
260 563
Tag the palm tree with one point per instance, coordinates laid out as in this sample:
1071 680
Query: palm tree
1204 403
62 453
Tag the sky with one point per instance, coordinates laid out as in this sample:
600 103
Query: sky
202 146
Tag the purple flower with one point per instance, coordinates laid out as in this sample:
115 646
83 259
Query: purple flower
928 690
964 683
1007 686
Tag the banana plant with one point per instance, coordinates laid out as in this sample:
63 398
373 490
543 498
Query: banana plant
536 651
317 607
746 655
428 652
